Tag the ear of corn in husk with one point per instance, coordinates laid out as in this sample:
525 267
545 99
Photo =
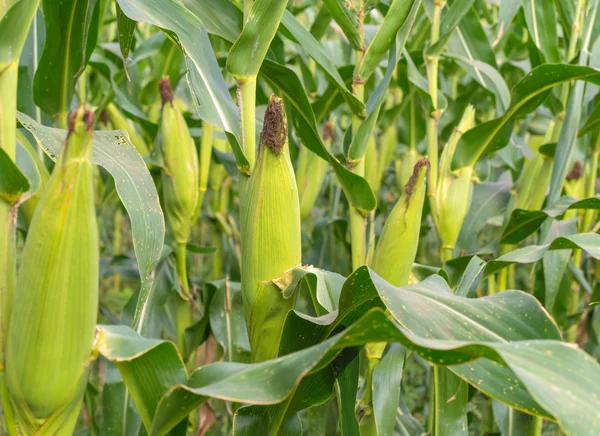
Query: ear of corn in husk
454 188
180 172
397 247
53 320
311 172
120 122
270 235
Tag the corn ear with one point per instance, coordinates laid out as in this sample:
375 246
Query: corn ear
180 171
454 189
51 332
119 122
311 172
397 247
270 235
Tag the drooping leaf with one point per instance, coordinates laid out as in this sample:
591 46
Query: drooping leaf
523 223
588 242
126 27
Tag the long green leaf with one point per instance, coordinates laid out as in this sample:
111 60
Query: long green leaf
523 223
588 242
401 12
126 27
541 22
71 34
14 25
527 95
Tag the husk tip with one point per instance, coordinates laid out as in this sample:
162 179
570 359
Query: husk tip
413 181
88 118
166 91
274 133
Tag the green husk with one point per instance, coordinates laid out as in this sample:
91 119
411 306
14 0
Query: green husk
180 171
52 328
397 247
454 189
270 235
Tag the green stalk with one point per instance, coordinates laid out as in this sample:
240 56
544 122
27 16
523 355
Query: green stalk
591 186
432 63
8 264
206 145
183 306
247 102
357 220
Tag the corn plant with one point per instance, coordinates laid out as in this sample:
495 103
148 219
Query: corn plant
264 217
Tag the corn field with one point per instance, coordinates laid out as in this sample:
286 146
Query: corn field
299 217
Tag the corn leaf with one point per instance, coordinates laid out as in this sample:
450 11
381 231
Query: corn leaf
527 95
345 14
401 13
588 242
519 339
541 22
126 27
71 34
523 223
387 377
13 31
